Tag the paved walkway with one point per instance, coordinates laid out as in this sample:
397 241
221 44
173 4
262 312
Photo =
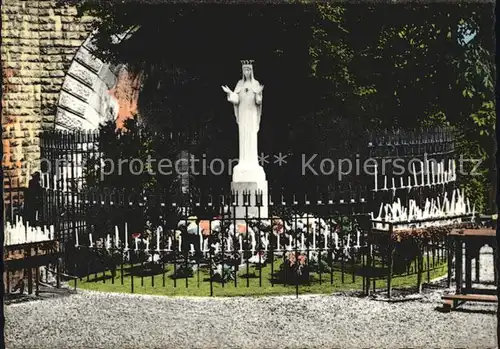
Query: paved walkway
97 320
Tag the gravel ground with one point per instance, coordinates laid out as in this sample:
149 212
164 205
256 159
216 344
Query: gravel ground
104 320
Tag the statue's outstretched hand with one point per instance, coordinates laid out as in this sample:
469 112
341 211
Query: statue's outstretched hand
226 89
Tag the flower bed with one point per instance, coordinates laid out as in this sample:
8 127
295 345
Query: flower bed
225 245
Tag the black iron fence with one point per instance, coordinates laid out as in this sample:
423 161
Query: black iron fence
122 240
129 231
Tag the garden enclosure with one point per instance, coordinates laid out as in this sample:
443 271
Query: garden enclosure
173 232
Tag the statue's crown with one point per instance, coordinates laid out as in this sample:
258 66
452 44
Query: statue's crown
246 62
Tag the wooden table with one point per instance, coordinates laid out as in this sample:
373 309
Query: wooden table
473 239
29 257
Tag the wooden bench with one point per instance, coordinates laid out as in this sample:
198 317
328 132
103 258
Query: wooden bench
473 239
451 300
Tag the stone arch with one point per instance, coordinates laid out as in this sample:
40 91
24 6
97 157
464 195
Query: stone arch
94 92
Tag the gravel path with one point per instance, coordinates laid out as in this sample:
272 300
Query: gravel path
104 320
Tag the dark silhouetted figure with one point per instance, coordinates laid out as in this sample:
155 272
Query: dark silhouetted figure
33 200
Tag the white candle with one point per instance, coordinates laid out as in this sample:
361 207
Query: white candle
117 236
401 182
241 243
303 241
289 242
169 244
445 173
433 174
180 243
449 172
201 237
77 244
136 244
326 241
126 237
414 174
438 173
147 243
314 240
385 183
348 244
158 239
422 172
428 172
376 179
442 173
90 239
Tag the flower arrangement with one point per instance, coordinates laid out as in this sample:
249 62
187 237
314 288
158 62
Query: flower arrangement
420 233
319 262
225 263
110 256
139 252
295 268
259 259
227 244
142 252
183 271
223 272
410 244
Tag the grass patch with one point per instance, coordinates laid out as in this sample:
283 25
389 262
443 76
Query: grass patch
251 282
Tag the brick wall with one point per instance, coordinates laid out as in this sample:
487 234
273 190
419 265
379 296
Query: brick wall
52 80
39 42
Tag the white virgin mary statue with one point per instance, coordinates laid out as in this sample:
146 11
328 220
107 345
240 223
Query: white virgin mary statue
247 102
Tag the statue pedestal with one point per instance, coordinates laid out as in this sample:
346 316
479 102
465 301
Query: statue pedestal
249 178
